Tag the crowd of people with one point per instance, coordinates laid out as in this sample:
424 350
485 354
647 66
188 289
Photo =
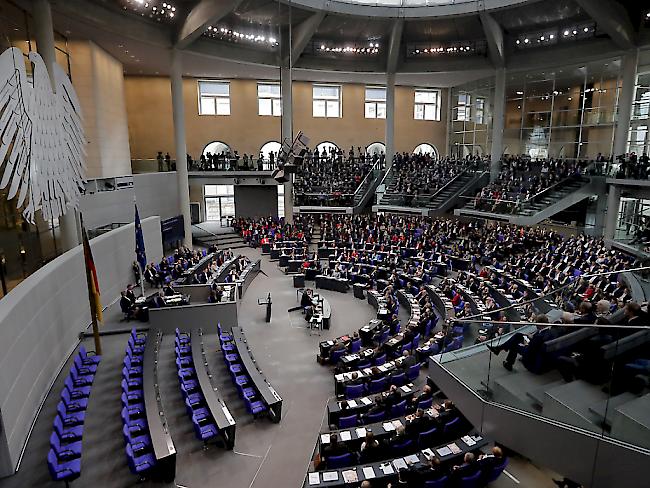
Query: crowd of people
521 179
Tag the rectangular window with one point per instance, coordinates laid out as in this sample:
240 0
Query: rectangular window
463 110
427 105
375 107
480 111
326 101
219 201
269 99
214 98
280 201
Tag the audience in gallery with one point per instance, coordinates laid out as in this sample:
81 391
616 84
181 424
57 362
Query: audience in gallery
521 179
632 166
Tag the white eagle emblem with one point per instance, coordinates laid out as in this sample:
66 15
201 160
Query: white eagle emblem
42 144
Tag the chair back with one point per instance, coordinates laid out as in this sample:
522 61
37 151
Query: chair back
378 385
336 356
348 422
425 404
494 472
381 359
355 345
450 427
413 372
398 410
372 418
335 462
471 481
439 483
402 448
426 439
398 379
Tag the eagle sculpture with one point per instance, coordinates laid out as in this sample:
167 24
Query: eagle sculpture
42 144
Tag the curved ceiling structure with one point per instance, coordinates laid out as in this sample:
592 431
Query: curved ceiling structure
425 42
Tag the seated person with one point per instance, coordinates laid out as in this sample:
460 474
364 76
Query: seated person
306 301
158 300
335 447
168 290
370 449
423 396
528 345
467 468
446 412
487 462
418 424
407 361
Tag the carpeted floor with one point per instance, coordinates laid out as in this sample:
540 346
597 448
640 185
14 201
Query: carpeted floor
265 454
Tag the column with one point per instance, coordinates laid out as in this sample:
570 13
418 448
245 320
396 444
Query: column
390 118
44 35
625 100
613 203
498 122
178 109
287 133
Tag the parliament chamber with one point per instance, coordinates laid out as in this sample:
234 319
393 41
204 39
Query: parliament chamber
290 243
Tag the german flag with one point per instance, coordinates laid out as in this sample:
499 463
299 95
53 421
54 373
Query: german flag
91 278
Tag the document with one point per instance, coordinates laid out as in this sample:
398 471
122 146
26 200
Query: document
350 476
345 435
386 468
468 440
314 478
330 476
369 472
454 448
352 403
361 432
428 453
412 459
396 423
388 427
366 401
405 389
399 463
443 451
324 438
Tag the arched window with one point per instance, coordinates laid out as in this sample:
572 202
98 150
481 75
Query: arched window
271 146
425 148
216 147
328 146
376 148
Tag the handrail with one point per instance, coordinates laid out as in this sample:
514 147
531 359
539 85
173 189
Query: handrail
205 230
365 179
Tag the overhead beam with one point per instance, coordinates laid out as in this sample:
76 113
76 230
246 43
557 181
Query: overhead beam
206 12
394 45
612 18
300 37
494 36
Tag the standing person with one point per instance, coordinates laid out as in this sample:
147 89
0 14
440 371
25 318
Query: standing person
159 158
136 272
168 162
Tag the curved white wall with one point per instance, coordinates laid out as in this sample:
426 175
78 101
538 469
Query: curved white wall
40 322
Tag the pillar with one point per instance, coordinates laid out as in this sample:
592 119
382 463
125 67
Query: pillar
287 134
44 35
178 109
625 100
613 203
390 118
498 122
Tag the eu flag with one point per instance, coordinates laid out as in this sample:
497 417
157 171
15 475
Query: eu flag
139 242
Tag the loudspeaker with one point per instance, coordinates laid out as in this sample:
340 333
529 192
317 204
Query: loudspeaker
278 175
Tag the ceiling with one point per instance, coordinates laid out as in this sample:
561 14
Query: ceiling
141 38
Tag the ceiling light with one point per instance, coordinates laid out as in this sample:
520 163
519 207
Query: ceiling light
551 36
566 33
526 41
586 29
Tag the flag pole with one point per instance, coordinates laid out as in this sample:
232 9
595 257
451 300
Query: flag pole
135 204
91 295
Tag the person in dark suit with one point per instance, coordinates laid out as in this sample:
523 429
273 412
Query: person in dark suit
423 396
529 345
634 315
486 462
586 314
407 361
130 295
420 423
446 412
392 397
468 468
126 306
334 448
168 290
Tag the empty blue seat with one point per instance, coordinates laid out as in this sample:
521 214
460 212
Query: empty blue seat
64 452
425 404
140 464
355 345
84 369
79 379
449 429
439 483
133 423
402 448
70 419
426 439
398 379
413 372
241 380
73 405
230 358
134 371
378 385
88 358
336 356
76 392
235 369
398 410
132 396
223 336
182 337
136 439
348 422
379 360
67 434
255 407
494 472
335 462
354 391
136 359
472 481
63 470
364 365
372 418
139 339
204 432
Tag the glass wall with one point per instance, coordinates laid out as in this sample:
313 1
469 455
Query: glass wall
471 118
567 113
638 140
219 202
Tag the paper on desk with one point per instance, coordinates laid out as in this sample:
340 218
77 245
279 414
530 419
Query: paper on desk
428 453
454 448
314 478
330 476
361 432
338 377
386 468
412 459
443 451
352 403
324 438
399 463
368 472
396 423
388 427
468 440
366 401
350 476
345 435
405 389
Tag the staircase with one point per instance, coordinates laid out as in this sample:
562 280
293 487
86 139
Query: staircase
226 238
448 196
551 198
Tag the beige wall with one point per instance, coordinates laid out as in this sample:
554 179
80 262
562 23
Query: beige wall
99 82
148 101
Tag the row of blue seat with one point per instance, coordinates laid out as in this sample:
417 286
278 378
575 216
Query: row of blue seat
382 384
135 429
64 457
205 426
254 403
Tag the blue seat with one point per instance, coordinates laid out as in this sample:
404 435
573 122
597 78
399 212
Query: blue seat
182 337
472 481
223 336
372 418
133 423
65 452
241 380
383 337
336 356
348 422
425 404
354 391
136 439
364 365
183 350
88 359
230 358
492 474
132 396
138 339
140 464
398 410
416 341
74 391
413 372
204 432
427 439
228 347
235 369
136 359
255 407
201 414
63 471
67 434
84 369
378 385
457 343
189 384
449 429
402 448
70 419
355 345
133 370
379 360
335 462
184 361
79 379
398 379
73 405
439 483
